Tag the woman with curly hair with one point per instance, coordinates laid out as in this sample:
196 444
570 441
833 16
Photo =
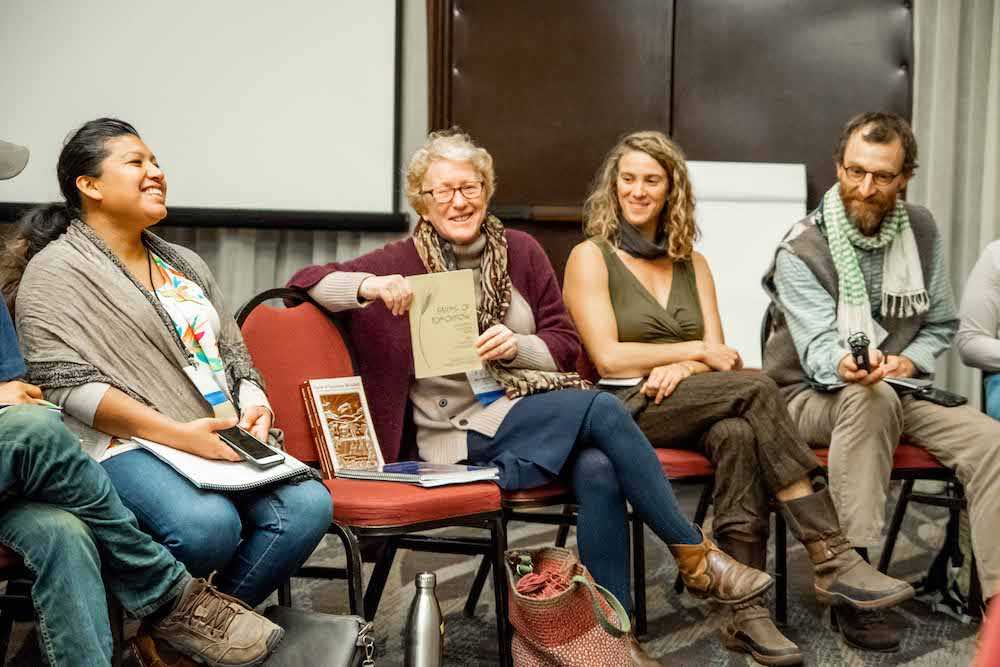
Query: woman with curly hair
644 303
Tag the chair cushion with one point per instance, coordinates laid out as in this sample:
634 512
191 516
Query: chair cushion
907 457
553 493
680 464
371 504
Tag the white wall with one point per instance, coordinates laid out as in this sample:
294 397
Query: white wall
247 105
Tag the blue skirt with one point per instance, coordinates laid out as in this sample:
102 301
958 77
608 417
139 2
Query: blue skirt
535 439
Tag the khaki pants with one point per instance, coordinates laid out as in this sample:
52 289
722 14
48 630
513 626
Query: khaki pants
862 425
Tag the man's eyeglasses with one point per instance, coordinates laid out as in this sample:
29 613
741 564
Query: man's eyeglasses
444 195
883 178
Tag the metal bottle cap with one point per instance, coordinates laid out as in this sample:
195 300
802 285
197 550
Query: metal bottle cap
426 580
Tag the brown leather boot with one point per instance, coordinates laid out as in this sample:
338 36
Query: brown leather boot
866 630
841 575
709 572
638 655
748 627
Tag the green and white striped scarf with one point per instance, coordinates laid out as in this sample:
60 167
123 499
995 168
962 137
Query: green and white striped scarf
903 292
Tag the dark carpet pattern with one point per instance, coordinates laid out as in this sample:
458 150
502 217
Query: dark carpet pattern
682 629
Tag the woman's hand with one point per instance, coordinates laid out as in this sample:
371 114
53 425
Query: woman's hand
199 437
15 391
663 380
394 291
720 357
498 343
257 420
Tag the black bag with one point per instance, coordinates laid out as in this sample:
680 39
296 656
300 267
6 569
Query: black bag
321 640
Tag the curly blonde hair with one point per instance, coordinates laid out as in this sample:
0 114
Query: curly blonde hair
602 214
453 144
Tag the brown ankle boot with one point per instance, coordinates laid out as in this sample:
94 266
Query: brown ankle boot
709 572
748 627
841 575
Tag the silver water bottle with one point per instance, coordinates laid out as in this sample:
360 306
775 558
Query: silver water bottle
424 626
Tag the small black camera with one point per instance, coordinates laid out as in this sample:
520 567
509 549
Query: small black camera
859 349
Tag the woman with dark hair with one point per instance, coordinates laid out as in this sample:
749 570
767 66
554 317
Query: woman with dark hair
543 426
129 333
644 303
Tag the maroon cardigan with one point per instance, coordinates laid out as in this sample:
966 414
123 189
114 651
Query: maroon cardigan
381 341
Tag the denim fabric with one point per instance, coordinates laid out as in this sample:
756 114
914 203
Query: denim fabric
253 540
993 395
11 361
65 519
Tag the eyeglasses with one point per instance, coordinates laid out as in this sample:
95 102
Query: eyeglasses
883 178
444 194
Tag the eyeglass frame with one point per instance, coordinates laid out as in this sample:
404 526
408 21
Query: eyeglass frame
875 175
451 198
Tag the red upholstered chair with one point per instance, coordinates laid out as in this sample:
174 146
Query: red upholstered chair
292 345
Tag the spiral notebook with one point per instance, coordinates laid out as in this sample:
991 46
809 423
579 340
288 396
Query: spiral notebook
423 474
217 475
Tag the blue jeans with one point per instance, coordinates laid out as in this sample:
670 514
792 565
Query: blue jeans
252 540
62 515
993 395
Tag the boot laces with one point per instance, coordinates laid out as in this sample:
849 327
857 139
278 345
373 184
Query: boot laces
211 610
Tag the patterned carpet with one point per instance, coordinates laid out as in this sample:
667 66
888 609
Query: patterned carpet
682 630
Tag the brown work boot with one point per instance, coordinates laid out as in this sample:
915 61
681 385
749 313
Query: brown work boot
841 575
216 629
638 655
748 627
866 630
709 572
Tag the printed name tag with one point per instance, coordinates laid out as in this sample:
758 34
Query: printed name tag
484 386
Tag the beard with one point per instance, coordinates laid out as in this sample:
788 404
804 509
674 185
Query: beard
867 214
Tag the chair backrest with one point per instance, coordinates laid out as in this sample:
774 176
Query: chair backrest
290 346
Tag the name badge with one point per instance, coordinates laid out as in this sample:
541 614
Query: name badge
484 386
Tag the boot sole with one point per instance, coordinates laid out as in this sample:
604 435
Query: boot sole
272 642
830 598
730 601
734 644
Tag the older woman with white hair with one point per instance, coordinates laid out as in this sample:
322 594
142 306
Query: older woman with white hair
546 425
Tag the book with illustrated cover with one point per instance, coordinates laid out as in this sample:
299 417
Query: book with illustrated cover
341 424
423 473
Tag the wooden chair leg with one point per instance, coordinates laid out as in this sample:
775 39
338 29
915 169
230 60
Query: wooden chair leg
895 525
380 575
355 569
498 538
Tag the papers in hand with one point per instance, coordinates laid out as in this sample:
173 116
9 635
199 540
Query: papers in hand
424 474
443 323
222 475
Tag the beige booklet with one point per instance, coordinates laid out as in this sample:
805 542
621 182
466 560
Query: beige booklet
443 323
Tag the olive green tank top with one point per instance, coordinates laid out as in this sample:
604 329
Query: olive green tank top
641 319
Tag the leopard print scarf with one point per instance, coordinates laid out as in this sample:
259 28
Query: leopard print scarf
437 255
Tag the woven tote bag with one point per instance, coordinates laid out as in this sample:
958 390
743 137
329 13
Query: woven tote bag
561 618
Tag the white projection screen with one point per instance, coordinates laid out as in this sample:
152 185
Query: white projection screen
247 105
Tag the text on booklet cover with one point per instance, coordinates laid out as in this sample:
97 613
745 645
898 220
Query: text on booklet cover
443 323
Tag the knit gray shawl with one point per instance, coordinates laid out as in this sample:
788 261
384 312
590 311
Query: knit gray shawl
82 317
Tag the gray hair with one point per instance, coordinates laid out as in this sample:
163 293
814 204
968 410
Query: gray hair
453 144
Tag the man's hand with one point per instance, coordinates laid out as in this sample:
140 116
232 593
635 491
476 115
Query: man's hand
899 367
663 380
394 291
720 357
15 392
498 343
849 371
257 420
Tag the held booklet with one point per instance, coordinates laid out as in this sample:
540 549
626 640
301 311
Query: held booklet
341 424
424 474
218 475
443 323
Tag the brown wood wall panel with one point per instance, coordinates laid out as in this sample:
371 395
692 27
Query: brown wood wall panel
772 81
547 86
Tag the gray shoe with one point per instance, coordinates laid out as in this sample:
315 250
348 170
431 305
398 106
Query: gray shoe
217 629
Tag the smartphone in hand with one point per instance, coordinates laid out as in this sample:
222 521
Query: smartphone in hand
251 448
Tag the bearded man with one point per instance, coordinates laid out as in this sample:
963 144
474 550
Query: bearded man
865 261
